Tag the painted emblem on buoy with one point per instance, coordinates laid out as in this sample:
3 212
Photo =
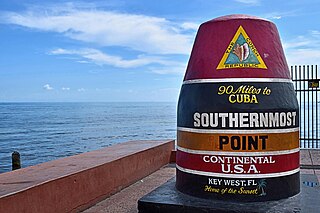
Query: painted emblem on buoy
241 53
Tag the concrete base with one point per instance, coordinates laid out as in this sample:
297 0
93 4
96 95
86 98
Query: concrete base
167 199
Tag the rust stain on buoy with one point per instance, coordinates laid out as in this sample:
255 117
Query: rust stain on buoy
238 117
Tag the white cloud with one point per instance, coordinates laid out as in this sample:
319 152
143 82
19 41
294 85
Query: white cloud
81 90
190 26
315 33
253 2
301 50
276 17
108 28
65 88
100 58
304 56
279 15
299 42
83 62
47 87
178 69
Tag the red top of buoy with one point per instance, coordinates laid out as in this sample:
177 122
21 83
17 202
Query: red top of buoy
237 46
234 17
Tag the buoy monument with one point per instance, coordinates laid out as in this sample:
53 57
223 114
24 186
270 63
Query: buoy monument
237 127
238 117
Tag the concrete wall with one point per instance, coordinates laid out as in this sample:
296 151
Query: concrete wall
74 183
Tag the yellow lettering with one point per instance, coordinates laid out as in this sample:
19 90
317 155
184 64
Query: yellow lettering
246 98
243 98
222 90
232 100
211 189
254 99
248 191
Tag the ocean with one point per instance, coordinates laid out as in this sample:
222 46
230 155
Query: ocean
42 132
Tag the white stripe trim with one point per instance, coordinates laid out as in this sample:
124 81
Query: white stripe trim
202 152
212 174
238 131
230 80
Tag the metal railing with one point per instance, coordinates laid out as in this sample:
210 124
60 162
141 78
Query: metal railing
306 84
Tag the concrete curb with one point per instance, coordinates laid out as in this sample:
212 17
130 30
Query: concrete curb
73 184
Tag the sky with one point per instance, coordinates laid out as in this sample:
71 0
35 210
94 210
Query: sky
125 50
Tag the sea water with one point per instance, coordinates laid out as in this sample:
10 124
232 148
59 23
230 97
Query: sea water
41 132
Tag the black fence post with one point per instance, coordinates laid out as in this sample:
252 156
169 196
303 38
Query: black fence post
16 163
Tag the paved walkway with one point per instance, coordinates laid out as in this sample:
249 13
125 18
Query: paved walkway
126 201
310 162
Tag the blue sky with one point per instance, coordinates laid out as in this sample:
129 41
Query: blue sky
125 50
